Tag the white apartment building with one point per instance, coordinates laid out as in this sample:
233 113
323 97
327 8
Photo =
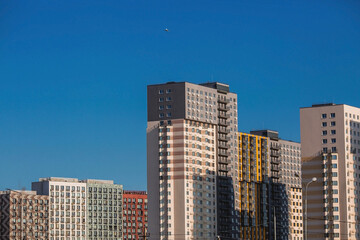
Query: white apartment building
67 207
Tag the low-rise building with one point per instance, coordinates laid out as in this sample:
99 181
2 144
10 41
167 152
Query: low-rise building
23 215
135 215
67 206
104 209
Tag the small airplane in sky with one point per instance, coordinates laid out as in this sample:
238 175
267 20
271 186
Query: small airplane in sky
166 30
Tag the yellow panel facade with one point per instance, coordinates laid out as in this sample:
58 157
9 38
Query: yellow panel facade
253 174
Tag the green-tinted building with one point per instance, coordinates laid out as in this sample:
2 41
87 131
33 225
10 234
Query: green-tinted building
104 210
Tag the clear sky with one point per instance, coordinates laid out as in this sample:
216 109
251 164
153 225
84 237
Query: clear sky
73 74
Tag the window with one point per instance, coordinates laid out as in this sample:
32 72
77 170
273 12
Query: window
168 90
333 140
161 107
161 99
168 114
168 106
161 115
323 115
332 115
333 132
324 133
333 123
324 124
168 99
333 149
324 141
161 91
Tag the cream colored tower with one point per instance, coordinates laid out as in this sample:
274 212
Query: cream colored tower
191 161
330 140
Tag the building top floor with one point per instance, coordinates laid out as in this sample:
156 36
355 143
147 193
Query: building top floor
221 87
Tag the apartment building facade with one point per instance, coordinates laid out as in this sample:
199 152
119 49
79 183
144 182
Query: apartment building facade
67 207
253 162
192 161
330 136
23 215
285 198
82 209
104 210
135 208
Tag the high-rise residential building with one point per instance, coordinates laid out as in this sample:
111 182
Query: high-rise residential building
23 215
254 186
330 138
104 210
285 195
135 215
67 218
192 161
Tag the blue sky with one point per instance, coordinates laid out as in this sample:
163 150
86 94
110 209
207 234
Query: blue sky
73 74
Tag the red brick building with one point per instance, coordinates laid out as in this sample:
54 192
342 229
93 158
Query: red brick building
135 215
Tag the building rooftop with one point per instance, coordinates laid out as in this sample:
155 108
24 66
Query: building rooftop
322 105
136 192
28 192
221 87
58 179
75 180
97 181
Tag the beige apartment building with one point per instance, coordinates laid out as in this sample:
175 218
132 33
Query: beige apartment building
192 161
23 215
330 137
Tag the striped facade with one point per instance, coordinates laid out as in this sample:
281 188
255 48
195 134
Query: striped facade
192 161
330 136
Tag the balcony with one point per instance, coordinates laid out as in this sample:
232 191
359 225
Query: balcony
223 145
275 168
224 123
222 130
223 161
223 168
223 108
223 100
275 161
223 138
275 147
223 115
223 153
274 154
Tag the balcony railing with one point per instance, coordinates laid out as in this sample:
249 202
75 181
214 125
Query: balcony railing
224 123
223 115
223 108
225 131
223 100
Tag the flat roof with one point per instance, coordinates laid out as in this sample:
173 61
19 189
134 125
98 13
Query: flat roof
206 84
323 105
